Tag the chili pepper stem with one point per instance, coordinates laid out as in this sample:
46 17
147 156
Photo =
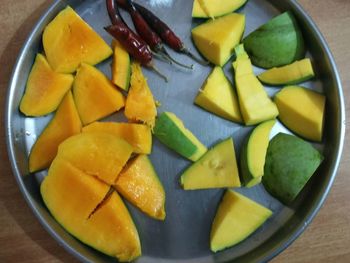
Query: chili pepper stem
160 56
156 70
185 51
166 54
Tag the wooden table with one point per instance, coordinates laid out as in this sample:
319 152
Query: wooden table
23 239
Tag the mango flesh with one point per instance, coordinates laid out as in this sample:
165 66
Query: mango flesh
139 136
217 38
302 111
294 73
69 41
277 43
64 124
253 154
218 96
140 185
255 104
170 130
95 96
72 197
236 218
121 66
290 163
140 105
217 168
45 89
113 224
211 8
96 153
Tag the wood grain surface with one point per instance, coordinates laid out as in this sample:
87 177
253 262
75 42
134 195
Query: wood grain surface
23 239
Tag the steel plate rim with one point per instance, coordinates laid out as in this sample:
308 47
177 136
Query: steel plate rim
268 254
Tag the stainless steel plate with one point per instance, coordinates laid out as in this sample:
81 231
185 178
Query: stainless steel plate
185 233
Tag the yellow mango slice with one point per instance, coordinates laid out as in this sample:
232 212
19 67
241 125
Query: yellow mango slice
211 8
72 197
253 154
96 153
254 102
69 41
45 89
216 39
94 94
113 223
237 218
121 66
218 96
297 72
217 168
302 111
64 124
139 136
140 105
140 185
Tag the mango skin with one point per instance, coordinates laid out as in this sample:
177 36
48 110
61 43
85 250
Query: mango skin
277 43
170 130
290 163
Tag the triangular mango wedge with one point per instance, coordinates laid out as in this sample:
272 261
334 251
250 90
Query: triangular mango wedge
45 89
72 197
95 95
217 168
217 38
96 153
211 8
64 124
236 218
254 102
140 105
140 185
139 136
69 41
302 110
218 96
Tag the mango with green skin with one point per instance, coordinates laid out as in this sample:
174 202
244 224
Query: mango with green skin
170 130
216 39
218 96
277 43
253 154
297 72
254 102
216 169
236 218
290 163
302 110
211 8
139 184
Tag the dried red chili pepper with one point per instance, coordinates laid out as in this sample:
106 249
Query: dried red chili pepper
165 33
135 45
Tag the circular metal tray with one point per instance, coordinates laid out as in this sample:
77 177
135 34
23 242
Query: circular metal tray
184 235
